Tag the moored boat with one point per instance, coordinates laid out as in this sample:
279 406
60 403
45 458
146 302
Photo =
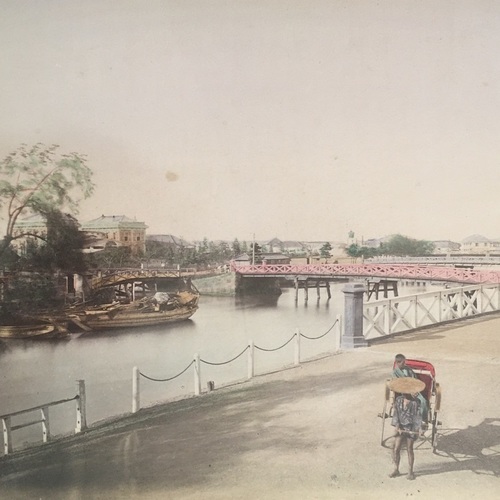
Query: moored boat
35 331
161 308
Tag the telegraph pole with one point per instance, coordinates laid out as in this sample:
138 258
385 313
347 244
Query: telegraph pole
253 250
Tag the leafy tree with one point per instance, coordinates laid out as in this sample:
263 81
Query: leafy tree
353 250
29 294
155 250
356 251
325 250
59 250
110 258
224 252
400 245
256 251
39 180
236 248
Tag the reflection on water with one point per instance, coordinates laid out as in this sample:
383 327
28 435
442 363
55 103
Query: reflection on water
250 301
36 372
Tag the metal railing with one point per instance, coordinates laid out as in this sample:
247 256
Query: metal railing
8 428
389 316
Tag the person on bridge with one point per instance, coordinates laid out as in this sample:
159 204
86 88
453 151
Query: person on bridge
407 420
401 370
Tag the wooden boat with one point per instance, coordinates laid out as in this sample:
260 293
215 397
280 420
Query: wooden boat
148 311
30 331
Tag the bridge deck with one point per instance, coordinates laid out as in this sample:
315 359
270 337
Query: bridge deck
393 271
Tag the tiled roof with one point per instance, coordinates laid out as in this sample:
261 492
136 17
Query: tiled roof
168 238
475 238
112 221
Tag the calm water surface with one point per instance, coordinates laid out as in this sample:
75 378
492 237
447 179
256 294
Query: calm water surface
36 372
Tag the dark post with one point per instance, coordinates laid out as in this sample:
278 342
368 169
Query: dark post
353 316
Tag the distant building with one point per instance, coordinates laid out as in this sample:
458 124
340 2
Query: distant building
267 257
242 260
119 229
479 244
274 258
446 247
290 247
372 243
169 240
33 227
33 224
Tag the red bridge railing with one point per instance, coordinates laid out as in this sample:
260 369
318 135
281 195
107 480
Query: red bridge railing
395 271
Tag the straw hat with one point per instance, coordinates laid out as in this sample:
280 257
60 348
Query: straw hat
406 385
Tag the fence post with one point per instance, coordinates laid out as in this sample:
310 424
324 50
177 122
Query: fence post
338 336
136 397
414 303
387 317
7 441
297 347
45 424
197 375
81 411
251 366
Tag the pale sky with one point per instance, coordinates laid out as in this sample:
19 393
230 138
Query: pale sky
298 119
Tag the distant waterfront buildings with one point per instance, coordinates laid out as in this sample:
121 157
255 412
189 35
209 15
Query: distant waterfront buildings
104 232
119 229
169 240
479 244
33 224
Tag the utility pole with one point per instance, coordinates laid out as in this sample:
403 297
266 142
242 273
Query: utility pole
253 250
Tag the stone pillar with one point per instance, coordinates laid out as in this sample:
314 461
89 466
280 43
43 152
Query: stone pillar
353 316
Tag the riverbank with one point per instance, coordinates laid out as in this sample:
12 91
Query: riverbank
306 432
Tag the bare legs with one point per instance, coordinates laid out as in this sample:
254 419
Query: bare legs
396 456
411 459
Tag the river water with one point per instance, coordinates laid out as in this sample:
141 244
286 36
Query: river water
37 372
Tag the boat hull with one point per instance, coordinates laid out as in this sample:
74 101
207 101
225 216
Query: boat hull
28 331
136 318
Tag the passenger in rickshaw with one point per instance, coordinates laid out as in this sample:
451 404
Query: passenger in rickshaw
401 370
407 420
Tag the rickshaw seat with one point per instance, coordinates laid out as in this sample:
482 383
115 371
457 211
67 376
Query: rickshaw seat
426 373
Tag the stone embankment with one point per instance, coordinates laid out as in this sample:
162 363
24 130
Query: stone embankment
221 284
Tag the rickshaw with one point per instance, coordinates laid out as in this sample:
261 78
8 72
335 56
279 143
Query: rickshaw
432 393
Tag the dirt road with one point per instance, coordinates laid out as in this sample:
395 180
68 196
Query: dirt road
310 432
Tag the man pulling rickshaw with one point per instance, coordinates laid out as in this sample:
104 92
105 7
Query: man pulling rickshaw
412 401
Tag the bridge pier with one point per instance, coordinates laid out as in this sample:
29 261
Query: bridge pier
305 284
353 316
385 286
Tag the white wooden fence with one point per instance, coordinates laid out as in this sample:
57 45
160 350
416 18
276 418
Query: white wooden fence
81 418
400 314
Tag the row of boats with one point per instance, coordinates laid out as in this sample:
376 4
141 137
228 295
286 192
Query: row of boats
151 307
